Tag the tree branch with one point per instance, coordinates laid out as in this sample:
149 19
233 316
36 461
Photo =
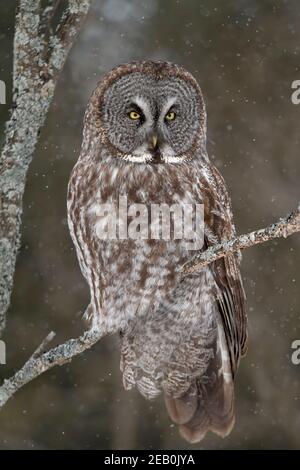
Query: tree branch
283 228
35 75
40 363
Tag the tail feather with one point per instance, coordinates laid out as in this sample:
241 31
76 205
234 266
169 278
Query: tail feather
209 403
181 410
213 413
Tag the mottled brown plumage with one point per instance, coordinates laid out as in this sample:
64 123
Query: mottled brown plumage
183 337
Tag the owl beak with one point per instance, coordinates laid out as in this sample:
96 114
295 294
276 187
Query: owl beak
153 141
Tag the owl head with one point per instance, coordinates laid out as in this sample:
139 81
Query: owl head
148 112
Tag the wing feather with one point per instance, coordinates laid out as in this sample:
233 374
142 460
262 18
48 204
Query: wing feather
229 290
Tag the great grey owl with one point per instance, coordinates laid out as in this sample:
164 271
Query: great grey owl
145 139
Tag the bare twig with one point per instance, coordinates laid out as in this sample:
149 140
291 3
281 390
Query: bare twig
283 228
35 76
43 345
40 363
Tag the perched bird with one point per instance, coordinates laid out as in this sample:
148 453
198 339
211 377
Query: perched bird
144 140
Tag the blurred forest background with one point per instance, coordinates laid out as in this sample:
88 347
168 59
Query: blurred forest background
245 55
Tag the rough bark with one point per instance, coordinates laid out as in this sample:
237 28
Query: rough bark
39 56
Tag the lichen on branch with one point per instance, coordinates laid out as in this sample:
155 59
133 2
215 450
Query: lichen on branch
39 55
283 228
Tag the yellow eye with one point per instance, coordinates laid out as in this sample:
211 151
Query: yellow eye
170 116
134 115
